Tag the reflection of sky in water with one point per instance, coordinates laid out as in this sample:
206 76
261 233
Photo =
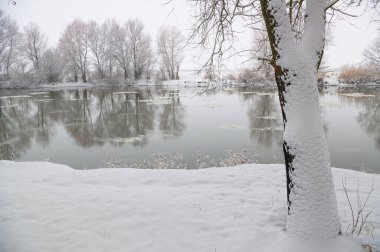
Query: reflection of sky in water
83 127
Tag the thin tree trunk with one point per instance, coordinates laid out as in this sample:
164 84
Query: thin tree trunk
75 74
125 73
110 68
84 78
177 73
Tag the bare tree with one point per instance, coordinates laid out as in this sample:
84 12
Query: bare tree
140 46
261 52
69 67
120 48
34 44
108 28
51 65
74 44
10 39
108 50
170 43
296 34
4 24
97 47
149 64
146 61
372 53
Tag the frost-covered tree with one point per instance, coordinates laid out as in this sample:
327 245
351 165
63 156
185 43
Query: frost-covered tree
51 65
120 48
139 44
97 44
149 65
35 43
108 28
74 45
296 34
10 39
170 49
372 53
102 47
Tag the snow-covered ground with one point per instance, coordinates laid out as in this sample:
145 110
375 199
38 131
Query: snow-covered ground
51 207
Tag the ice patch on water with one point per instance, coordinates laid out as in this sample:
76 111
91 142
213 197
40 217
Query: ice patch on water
160 102
15 96
137 138
44 100
267 129
125 92
77 99
330 104
356 95
9 106
267 117
39 93
265 93
247 92
59 111
165 97
231 126
212 106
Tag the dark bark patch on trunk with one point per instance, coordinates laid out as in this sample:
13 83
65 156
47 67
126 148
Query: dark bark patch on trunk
281 76
289 169
282 80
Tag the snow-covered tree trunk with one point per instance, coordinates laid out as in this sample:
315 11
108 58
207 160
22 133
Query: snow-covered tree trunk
312 207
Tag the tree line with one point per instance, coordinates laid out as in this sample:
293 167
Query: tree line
88 51
367 71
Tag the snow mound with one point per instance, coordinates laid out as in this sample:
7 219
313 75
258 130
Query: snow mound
51 207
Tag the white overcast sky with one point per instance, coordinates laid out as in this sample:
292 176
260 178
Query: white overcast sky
349 37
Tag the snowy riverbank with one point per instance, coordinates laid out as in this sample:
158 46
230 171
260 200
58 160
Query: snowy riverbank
51 207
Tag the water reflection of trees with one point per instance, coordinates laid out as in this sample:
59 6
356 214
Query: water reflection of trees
126 116
43 124
91 118
16 119
368 101
265 121
369 117
21 120
78 120
172 115
264 117
370 120
96 118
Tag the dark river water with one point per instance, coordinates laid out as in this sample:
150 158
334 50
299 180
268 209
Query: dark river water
178 127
